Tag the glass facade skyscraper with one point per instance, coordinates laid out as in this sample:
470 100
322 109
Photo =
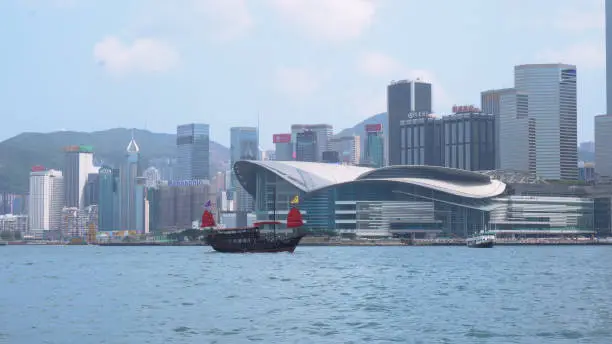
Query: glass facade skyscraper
107 199
551 102
193 151
244 145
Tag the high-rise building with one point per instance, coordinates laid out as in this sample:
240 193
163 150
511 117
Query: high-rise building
193 151
129 199
608 10
331 157
514 130
323 132
46 199
91 190
552 103
348 148
374 150
108 185
244 145
469 141
181 203
306 147
465 140
422 141
603 145
283 147
404 98
78 164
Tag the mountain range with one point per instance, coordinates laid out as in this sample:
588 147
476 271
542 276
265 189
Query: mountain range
18 154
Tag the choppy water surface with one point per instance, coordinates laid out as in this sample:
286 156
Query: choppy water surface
317 295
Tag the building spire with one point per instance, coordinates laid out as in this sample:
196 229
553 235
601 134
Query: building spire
133 146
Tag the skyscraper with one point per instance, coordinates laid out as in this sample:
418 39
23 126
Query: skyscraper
603 147
306 146
403 98
46 199
78 164
244 145
107 199
514 130
324 133
129 174
374 151
283 147
193 151
552 103
348 148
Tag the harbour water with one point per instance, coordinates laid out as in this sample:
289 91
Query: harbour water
91 294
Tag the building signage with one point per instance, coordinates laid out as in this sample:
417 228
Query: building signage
281 138
418 114
373 128
194 182
465 109
38 168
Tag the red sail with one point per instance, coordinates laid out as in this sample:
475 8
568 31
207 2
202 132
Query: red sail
207 220
294 218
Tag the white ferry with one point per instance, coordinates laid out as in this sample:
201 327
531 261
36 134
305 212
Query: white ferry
482 239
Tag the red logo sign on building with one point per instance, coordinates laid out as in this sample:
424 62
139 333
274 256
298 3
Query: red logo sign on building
281 138
38 168
465 109
373 128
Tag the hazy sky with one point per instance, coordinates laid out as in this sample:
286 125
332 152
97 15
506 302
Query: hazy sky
96 64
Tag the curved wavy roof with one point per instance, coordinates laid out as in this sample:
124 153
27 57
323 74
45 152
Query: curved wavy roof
306 176
312 176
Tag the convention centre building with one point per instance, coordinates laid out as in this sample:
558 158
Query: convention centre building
417 201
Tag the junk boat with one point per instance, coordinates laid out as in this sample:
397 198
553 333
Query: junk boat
482 239
259 238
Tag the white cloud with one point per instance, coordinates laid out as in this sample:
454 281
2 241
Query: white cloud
297 83
328 19
588 55
384 67
145 55
587 15
376 64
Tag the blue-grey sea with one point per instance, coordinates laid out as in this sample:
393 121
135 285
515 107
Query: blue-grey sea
91 294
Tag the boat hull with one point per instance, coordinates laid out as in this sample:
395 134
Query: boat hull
485 244
254 245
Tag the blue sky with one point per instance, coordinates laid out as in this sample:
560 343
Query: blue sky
92 64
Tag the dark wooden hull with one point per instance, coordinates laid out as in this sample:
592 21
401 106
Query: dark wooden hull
255 243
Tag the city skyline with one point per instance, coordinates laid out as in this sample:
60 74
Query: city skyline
82 82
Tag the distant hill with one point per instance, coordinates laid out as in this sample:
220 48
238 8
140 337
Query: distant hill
359 128
18 154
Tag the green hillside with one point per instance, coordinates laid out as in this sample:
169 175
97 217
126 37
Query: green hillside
20 153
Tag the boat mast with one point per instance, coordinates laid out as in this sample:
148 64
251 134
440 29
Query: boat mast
274 210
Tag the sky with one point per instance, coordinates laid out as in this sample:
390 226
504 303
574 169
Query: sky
91 65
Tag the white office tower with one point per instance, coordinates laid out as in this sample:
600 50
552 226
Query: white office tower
603 146
551 94
514 130
78 165
46 200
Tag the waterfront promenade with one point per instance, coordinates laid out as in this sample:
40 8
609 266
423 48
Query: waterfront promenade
331 241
